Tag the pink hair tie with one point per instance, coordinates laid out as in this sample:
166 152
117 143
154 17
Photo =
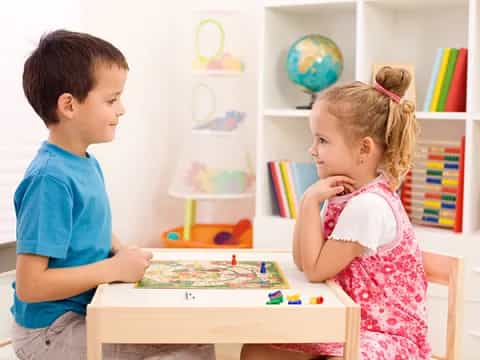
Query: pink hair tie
390 94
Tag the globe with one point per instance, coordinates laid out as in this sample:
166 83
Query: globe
314 62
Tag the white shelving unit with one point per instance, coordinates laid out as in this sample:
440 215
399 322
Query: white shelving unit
369 32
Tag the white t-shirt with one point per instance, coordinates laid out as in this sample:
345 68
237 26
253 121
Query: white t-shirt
367 219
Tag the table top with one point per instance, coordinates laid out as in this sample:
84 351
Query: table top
127 296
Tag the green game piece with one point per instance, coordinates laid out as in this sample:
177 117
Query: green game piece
275 301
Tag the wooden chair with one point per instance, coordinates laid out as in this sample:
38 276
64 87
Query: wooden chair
448 271
5 279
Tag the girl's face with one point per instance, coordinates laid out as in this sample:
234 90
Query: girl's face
330 149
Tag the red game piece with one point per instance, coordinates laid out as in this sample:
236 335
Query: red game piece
319 299
234 260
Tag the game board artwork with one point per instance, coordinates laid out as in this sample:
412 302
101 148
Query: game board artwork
212 275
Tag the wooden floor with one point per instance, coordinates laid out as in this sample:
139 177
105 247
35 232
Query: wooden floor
228 351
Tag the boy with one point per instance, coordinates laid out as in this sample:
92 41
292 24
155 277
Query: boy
74 82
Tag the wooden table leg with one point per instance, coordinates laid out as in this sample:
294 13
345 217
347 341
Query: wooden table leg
352 341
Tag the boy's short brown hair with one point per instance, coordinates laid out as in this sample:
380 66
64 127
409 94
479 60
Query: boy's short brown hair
64 62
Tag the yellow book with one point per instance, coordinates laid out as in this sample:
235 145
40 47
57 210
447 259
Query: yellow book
440 79
289 188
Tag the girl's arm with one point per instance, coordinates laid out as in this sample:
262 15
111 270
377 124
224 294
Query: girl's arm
322 259
36 282
297 255
310 234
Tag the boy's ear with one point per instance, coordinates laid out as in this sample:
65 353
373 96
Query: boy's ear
65 105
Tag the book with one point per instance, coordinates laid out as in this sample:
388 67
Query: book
433 79
304 175
278 188
457 96
273 192
287 182
440 78
452 60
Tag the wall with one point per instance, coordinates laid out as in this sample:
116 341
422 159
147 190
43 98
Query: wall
156 38
22 22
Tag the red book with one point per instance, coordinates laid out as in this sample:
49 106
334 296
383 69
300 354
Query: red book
459 203
457 95
277 188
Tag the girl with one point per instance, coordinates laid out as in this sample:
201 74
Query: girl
363 142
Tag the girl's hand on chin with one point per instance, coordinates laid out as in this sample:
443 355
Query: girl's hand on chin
331 186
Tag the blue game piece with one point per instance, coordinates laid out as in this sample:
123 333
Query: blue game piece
295 302
263 268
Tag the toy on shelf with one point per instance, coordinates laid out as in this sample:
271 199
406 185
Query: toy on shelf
432 192
314 62
216 35
206 236
214 165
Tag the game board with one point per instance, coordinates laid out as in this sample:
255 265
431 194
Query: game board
189 274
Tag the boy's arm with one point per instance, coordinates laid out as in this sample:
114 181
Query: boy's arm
116 244
36 282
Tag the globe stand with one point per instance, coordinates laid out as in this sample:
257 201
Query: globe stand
312 101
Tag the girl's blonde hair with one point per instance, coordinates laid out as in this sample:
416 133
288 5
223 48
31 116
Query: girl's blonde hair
365 111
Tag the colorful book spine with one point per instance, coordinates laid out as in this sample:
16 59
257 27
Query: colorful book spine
273 190
457 95
433 79
440 79
304 174
452 60
279 189
289 188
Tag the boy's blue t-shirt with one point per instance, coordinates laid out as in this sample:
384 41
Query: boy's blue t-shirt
63 213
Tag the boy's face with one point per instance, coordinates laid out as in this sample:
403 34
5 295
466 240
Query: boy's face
96 118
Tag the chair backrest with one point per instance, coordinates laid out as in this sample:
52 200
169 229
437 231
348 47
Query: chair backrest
448 270
5 303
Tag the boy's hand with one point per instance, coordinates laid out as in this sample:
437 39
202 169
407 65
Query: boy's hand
130 264
331 186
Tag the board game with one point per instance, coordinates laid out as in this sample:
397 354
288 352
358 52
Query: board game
187 274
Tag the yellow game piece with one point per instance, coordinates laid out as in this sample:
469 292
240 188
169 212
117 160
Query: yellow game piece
313 300
293 297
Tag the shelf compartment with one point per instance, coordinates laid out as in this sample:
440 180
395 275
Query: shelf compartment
286 24
400 32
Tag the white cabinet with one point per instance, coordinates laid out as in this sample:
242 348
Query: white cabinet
369 32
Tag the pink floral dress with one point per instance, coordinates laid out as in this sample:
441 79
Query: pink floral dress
390 287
